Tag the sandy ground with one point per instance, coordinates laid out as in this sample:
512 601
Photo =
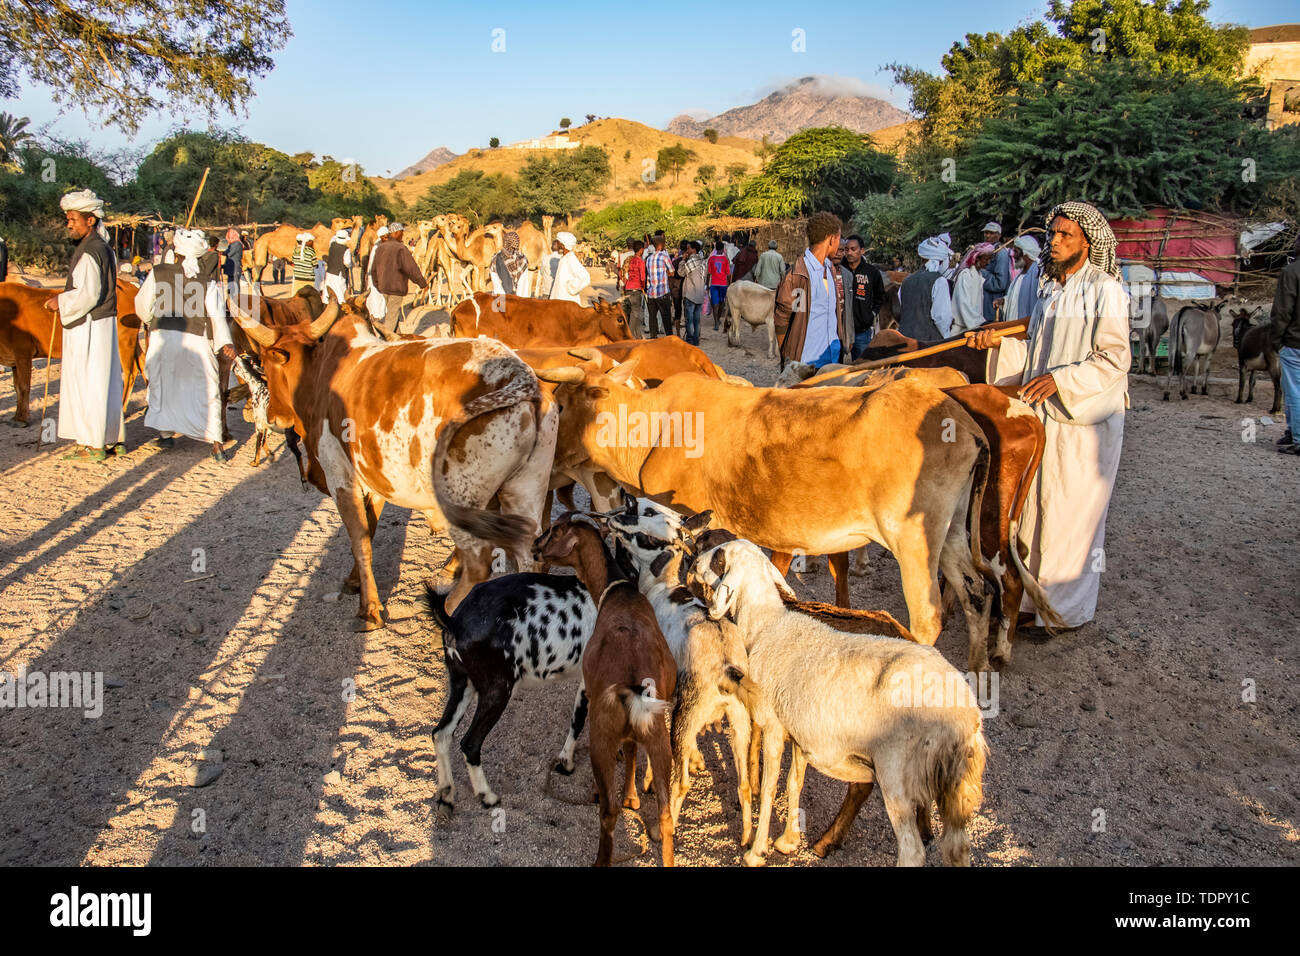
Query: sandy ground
208 596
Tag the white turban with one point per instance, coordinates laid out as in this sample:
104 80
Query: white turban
189 245
1028 245
567 240
936 252
381 232
342 235
993 227
85 201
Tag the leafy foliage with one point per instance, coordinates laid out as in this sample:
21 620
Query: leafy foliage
478 197
631 220
13 132
562 183
125 59
711 135
823 168
673 159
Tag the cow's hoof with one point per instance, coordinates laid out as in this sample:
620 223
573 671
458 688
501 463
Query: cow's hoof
18 423
754 859
563 769
372 622
824 848
632 803
1166 398
489 799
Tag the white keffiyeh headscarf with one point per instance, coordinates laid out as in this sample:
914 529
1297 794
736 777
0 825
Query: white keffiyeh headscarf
936 252
189 244
85 201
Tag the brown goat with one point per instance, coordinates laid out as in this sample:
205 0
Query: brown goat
629 674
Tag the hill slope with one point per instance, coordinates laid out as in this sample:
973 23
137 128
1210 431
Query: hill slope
628 143
432 160
805 103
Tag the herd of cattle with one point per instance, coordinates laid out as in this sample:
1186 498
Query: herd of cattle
674 611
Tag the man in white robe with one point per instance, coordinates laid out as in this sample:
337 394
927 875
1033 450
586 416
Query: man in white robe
570 276
1023 292
90 393
338 265
1073 365
187 327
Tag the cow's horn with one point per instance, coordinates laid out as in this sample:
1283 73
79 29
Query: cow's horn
564 375
254 329
325 320
623 371
585 353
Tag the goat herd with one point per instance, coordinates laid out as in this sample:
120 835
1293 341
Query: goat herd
673 627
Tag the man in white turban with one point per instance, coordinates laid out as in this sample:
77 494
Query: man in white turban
925 298
570 276
185 311
1020 298
304 262
90 396
1072 367
338 265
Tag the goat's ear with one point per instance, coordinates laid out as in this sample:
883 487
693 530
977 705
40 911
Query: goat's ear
658 564
718 563
782 586
623 558
698 522
629 502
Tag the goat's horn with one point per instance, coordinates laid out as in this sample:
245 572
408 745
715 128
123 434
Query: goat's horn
326 319
564 375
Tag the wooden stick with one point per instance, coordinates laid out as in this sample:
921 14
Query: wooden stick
49 360
195 204
1012 328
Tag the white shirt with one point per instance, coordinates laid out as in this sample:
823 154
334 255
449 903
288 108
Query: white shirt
570 279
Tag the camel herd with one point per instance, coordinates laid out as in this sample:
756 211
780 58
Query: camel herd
456 258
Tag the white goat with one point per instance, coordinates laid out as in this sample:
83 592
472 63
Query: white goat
754 304
858 708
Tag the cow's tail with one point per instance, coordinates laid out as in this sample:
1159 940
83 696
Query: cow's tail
1053 620
979 476
493 526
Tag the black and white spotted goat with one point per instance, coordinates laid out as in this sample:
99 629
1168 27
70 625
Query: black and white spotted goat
516 629
256 410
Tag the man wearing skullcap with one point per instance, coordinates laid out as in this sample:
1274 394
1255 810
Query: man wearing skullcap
570 276
185 310
304 262
90 397
234 260
1072 367
997 272
770 267
392 267
510 267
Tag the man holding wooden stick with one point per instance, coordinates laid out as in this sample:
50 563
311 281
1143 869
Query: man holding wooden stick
1072 367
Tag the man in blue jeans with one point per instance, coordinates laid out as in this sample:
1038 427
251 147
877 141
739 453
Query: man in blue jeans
864 293
695 288
1285 335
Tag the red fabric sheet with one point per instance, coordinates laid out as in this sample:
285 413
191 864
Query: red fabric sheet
1211 238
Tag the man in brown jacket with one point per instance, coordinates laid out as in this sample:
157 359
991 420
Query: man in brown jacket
392 267
811 300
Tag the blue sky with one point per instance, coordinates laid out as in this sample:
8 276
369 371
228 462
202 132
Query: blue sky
385 81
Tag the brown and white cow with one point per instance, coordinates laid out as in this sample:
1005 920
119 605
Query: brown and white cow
25 334
822 471
440 426
524 323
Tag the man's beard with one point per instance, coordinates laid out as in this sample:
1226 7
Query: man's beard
1059 270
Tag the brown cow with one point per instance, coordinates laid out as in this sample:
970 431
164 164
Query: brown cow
793 470
386 422
25 330
524 323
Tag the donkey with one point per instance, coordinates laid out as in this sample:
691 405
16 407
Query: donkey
1255 352
1152 334
1193 337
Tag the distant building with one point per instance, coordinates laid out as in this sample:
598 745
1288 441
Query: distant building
554 141
1276 52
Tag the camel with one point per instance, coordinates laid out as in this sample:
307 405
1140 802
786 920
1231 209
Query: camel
283 240
535 243
476 249
367 242
438 264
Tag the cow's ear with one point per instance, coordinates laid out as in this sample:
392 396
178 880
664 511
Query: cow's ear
623 371
280 355
698 522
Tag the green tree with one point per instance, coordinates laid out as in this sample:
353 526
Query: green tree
673 159
479 197
706 174
822 168
494 142
126 59
560 184
1169 36
736 172
565 123
711 135
13 133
